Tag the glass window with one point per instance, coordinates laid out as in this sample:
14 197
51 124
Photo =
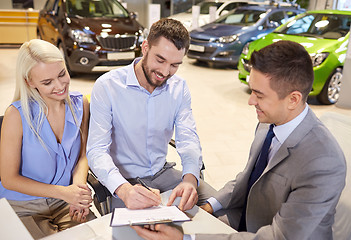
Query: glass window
276 17
290 15
49 5
231 6
96 8
241 17
205 6
20 4
331 26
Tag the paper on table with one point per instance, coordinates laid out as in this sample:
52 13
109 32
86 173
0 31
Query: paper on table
153 215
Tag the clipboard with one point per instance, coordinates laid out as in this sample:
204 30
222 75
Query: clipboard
148 216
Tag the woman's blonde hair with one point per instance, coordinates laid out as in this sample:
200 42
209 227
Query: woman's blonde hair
30 54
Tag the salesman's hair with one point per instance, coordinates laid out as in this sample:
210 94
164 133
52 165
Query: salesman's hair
172 30
288 65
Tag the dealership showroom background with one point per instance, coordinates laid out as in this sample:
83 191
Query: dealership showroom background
224 120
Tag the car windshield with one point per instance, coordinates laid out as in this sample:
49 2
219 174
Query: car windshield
241 17
330 26
96 8
205 7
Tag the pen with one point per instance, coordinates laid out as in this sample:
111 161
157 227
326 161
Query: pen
141 182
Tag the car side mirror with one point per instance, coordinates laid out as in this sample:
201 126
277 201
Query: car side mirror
133 15
272 24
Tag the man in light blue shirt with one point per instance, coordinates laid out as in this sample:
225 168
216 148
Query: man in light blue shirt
292 195
134 112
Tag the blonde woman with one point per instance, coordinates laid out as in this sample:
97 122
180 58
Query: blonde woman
43 166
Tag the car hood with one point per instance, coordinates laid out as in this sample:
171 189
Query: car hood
215 30
99 25
312 45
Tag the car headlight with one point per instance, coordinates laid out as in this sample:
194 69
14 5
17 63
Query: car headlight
246 49
318 58
228 39
80 36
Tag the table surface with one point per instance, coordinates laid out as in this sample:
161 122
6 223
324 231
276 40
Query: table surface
99 229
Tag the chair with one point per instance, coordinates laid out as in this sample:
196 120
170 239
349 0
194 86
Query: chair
102 196
340 126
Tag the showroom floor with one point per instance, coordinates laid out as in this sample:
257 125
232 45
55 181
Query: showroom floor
224 120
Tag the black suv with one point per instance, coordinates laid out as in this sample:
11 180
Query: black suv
92 34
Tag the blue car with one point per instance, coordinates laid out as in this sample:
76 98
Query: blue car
223 40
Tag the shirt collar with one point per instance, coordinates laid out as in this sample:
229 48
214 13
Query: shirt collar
131 77
282 132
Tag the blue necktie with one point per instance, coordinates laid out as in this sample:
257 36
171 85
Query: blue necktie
257 171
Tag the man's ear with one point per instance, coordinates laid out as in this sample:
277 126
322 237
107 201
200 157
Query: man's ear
295 99
145 47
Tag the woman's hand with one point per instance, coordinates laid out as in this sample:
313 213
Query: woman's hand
78 195
78 214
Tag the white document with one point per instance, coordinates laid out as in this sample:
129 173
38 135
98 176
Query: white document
153 215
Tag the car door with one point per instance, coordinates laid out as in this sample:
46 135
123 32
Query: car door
48 19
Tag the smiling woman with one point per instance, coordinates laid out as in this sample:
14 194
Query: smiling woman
43 143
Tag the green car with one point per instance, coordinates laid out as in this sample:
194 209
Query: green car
325 35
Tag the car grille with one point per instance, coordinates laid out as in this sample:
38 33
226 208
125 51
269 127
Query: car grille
208 52
198 40
121 42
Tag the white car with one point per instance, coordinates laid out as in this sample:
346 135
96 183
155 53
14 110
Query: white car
223 7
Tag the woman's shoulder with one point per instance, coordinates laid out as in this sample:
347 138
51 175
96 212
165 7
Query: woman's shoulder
76 98
16 104
12 115
76 95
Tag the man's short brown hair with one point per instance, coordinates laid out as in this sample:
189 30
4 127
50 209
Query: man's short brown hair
170 29
289 66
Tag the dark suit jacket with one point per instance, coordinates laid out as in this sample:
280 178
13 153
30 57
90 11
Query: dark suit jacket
296 195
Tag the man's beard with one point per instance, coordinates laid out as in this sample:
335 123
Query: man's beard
148 77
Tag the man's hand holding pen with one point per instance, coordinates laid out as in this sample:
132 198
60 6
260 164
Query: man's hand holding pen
138 196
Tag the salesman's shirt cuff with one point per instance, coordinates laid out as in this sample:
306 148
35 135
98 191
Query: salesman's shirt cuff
189 237
214 204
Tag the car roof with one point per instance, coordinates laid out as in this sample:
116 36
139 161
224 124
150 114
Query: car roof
263 7
329 11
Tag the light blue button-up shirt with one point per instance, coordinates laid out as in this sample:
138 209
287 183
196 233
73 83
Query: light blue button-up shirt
54 163
130 128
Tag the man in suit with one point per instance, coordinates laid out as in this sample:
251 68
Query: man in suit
295 194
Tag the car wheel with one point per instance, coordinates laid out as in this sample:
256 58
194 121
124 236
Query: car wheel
331 90
60 46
